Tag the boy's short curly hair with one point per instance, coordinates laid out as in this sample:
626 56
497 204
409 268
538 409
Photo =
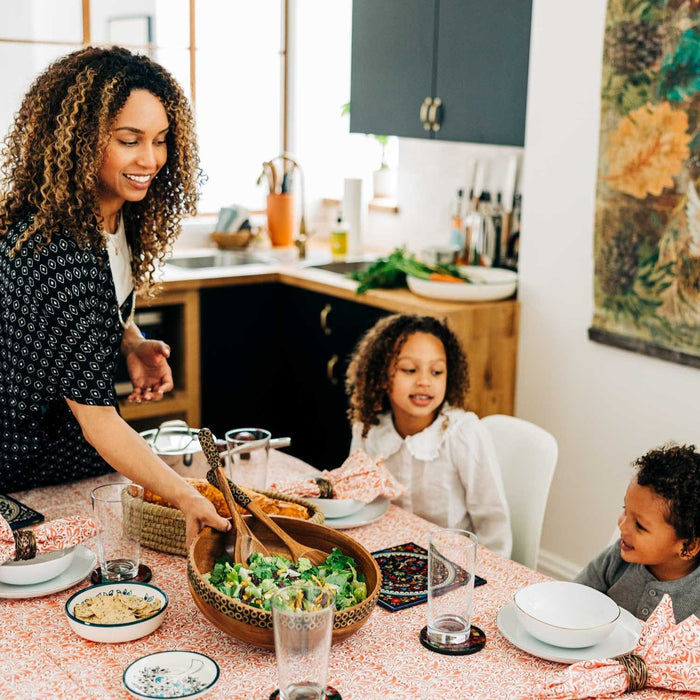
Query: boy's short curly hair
370 369
673 472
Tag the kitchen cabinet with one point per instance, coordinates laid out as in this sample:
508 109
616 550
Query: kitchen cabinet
275 357
455 70
320 332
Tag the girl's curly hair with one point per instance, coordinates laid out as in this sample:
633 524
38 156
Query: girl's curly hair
52 155
371 367
673 472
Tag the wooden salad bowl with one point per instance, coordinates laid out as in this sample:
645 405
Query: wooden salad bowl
252 625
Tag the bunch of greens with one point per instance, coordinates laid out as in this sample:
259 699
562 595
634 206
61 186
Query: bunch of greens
255 583
390 272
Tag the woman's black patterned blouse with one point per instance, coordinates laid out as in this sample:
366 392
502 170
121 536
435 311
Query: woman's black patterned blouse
59 338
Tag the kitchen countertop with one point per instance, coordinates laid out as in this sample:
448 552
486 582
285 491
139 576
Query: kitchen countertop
300 273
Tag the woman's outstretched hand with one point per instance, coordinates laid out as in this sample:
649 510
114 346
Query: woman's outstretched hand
200 512
149 370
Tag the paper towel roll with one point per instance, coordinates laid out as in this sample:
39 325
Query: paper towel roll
353 210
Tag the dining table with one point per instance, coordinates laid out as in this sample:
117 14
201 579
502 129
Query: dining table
43 658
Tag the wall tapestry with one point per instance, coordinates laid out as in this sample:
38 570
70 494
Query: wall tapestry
647 227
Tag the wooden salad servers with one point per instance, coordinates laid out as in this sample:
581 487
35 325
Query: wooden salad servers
245 541
229 489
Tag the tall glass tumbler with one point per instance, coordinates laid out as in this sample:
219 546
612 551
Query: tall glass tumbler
118 509
248 453
302 622
451 570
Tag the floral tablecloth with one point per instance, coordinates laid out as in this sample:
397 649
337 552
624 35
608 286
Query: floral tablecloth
42 658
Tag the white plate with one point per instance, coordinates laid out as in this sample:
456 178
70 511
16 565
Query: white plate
371 512
335 508
622 640
491 283
171 674
83 563
42 567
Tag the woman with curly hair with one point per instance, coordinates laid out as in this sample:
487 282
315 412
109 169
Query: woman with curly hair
407 382
98 169
659 547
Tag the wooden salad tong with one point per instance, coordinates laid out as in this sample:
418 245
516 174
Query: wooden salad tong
245 541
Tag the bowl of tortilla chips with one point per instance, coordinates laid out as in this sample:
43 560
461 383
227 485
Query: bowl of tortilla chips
116 612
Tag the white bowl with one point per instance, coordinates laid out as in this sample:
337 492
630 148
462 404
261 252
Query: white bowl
566 614
490 283
42 567
126 631
337 507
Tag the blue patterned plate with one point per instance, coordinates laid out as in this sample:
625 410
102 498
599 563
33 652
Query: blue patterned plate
171 674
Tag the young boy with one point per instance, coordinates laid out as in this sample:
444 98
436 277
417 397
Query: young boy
658 550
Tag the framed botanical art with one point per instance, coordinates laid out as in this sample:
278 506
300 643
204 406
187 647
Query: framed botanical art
647 220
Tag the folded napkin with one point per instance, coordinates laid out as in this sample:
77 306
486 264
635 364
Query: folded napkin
667 656
360 477
47 537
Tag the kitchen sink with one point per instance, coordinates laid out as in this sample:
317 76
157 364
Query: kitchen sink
222 258
343 267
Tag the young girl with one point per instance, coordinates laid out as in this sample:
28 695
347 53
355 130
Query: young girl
659 545
407 383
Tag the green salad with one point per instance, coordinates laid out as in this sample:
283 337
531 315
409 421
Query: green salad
255 583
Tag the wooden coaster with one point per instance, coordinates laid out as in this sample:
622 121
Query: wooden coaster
331 694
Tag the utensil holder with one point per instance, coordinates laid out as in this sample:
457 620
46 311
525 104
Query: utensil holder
280 219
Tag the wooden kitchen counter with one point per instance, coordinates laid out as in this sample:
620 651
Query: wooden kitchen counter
488 330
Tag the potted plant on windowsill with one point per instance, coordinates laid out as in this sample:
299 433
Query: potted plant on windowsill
384 177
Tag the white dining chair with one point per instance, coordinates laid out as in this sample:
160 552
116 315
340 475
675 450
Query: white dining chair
527 455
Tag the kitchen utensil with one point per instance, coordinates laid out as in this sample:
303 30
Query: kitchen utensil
242 543
253 625
296 549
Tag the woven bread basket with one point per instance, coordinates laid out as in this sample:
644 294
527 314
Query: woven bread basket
163 529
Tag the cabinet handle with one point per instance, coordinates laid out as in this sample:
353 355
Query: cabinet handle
435 114
330 370
424 113
324 319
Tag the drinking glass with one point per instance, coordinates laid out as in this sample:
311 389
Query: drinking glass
451 570
246 462
118 509
302 621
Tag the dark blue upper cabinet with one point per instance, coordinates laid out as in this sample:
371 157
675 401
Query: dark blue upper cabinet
454 70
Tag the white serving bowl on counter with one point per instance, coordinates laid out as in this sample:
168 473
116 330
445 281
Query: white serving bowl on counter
121 632
42 567
566 614
337 507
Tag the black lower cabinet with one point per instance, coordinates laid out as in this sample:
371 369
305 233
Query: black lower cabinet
275 357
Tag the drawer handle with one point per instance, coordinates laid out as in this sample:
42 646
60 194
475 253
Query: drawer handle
424 113
324 319
435 114
330 370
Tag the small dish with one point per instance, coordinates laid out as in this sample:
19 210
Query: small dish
83 563
124 631
566 614
366 515
43 567
171 674
336 507
622 640
489 284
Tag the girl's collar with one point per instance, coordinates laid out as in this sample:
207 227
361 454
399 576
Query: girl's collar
384 441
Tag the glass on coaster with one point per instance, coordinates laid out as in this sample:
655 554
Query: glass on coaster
143 575
451 573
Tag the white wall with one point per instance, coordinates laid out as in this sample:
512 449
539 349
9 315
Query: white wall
605 406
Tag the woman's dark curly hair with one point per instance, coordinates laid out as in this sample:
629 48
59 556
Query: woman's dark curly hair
371 368
673 472
52 155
